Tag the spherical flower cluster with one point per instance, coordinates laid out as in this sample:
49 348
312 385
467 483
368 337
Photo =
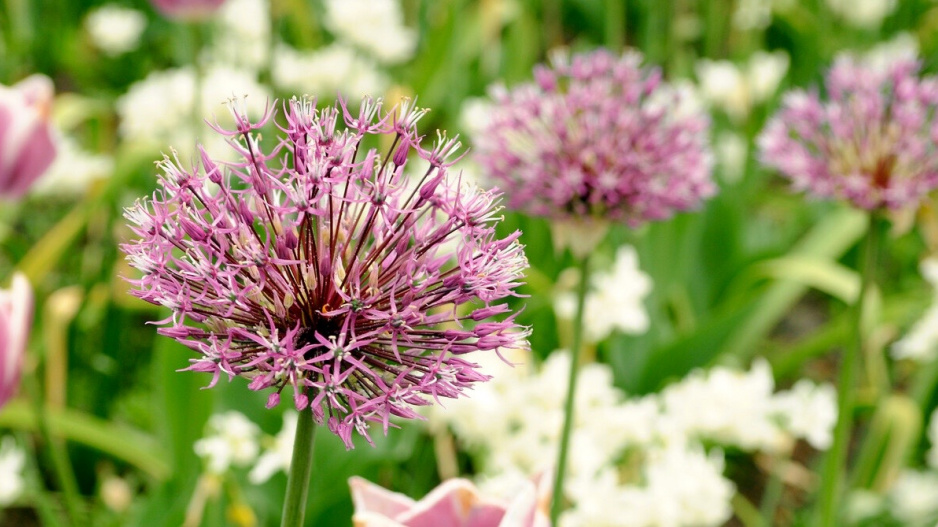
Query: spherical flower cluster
872 143
314 266
597 135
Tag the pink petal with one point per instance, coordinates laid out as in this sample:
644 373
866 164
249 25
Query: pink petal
371 498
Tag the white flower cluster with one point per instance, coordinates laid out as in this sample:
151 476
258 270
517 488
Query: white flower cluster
235 441
12 463
73 170
921 342
165 109
367 33
645 455
115 30
736 89
614 300
863 13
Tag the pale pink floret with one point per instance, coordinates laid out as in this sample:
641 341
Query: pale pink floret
455 503
26 144
873 142
16 319
597 135
314 266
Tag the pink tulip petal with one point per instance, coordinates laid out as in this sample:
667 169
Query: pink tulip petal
372 498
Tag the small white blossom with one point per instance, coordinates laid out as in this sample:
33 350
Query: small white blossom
863 13
913 498
12 463
736 89
809 411
242 38
375 26
278 455
326 72
615 300
731 150
232 441
921 342
114 29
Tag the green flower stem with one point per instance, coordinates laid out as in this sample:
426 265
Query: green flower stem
833 475
294 506
557 501
56 448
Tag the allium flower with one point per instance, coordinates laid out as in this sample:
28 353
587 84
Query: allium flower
26 146
872 142
314 266
597 136
16 318
455 503
187 10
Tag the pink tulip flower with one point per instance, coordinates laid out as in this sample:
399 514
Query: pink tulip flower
26 146
187 10
16 318
455 503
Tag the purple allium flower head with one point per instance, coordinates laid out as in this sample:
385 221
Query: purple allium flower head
872 143
317 266
597 135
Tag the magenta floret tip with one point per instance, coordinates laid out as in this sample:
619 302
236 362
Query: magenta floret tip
315 265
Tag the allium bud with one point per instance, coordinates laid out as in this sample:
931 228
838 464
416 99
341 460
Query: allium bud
16 318
317 266
26 146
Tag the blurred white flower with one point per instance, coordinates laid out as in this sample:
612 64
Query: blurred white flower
159 109
808 411
116 493
731 150
615 300
921 342
279 454
863 13
326 72
242 37
73 170
232 440
736 89
902 47
375 26
12 463
474 115
115 29
913 498
728 406
932 457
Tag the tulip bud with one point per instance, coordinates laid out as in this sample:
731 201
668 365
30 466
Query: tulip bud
26 146
16 318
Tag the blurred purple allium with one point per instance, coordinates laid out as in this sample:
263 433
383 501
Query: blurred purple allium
187 10
318 266
26 145
597 135
873 142
16 319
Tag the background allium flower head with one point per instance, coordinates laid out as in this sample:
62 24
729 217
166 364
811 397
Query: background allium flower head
595 135
187 10
313 266
872 143
26 144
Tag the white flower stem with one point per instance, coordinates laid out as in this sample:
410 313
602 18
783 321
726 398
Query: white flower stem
557 500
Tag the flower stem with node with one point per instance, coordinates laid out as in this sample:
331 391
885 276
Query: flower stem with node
557 501
833 472
294 505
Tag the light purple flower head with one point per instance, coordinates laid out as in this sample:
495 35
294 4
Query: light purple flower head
187 10
26 145
597 135
317 266
873 142
16 319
